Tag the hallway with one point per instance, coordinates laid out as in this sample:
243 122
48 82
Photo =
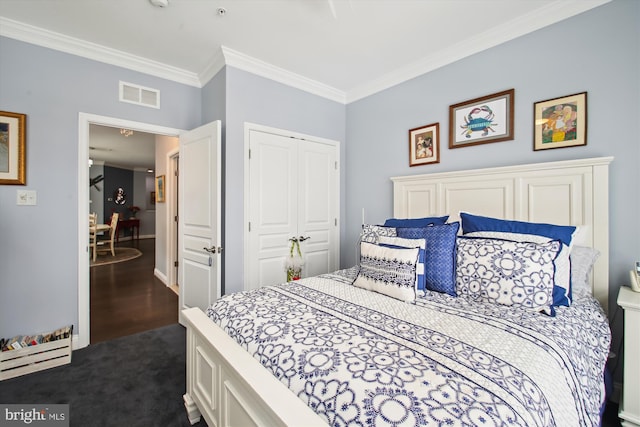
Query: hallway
127 298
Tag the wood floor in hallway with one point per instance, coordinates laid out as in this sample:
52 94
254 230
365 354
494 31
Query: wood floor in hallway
127 298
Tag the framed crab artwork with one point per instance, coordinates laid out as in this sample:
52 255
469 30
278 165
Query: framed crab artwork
482 120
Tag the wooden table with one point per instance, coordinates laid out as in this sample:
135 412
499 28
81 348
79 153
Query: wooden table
128 224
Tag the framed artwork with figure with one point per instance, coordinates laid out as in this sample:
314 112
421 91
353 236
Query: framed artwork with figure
560 122
424 145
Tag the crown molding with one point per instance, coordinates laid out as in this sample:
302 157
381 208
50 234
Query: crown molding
536 20
56 41
533 21
255 66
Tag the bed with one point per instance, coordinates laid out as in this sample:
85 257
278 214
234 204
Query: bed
340 349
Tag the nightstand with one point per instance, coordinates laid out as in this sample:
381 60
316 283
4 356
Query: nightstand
630 403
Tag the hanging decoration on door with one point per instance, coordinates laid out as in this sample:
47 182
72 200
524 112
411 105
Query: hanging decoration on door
294 262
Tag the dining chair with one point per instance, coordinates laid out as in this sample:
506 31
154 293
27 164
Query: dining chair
93 235
113 228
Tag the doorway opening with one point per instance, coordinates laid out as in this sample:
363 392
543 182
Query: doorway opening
162 224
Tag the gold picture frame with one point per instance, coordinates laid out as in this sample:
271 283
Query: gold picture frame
424 145
160 189
13 158
560 122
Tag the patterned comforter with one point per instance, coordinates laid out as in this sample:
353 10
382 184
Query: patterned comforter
359 358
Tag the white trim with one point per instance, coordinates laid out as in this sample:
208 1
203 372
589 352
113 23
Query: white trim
84 122
60 42
255 66
540 18
495 36
172 211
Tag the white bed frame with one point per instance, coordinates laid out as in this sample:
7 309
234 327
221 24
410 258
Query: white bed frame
228 387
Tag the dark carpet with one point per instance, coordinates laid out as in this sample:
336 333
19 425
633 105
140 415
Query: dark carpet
136 380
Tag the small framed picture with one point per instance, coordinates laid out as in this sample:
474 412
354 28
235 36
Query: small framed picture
482 120
424 145
152 198
13 158
160 189
560 122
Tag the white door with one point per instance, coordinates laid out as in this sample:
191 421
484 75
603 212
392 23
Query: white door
199 216
293 192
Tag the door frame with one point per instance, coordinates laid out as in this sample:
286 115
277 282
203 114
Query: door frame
85 120
248 127
172 211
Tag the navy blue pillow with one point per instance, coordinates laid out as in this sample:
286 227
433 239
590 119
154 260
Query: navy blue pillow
439 255
471 223
416 222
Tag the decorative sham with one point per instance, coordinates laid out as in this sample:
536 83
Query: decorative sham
389 271
371 233
506 272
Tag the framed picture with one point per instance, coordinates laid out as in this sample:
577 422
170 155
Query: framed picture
13 157
152 198
160 189
482 120
424 145
560 122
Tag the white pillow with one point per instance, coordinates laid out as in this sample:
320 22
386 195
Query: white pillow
389 271
410 243
582 260
562 275
506 272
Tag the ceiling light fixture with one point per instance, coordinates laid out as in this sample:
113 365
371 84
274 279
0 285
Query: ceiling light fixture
221 11
159 3
126 132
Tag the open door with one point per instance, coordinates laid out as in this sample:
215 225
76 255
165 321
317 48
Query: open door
199 222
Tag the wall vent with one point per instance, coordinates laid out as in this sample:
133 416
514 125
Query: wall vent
139 95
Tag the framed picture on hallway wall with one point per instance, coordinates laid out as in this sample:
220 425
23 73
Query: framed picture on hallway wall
160 189
13 157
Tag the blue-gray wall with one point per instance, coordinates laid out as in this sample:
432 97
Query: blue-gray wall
597 52
254 99
39 244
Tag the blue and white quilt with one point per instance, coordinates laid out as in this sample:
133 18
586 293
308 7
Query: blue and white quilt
359 358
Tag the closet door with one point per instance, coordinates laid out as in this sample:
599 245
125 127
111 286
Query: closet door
294 191
317 206
273 206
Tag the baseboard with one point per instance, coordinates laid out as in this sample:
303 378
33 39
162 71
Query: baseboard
161 276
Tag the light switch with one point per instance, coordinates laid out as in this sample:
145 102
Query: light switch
26 197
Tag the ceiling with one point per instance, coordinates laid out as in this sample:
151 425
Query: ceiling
109 147
340 49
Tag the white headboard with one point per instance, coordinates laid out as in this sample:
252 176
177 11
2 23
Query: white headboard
574 192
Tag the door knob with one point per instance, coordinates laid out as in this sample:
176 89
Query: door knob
214 249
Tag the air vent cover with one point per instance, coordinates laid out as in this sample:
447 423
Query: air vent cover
139 95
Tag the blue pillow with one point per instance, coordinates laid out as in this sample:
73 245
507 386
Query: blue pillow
439 256
471 223
416 222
